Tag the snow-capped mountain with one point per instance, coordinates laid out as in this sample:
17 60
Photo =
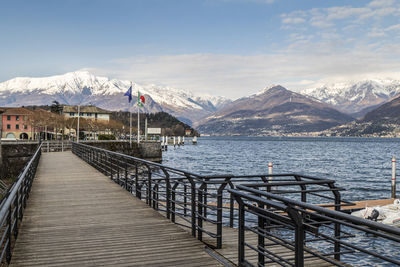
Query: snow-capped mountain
84 87
272 111
357 96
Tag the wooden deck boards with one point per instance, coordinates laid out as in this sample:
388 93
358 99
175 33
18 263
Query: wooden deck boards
369 203
229 248
76 216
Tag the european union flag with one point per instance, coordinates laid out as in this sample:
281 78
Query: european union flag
129 94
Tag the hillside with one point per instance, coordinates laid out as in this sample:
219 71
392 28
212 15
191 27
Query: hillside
274 110
170 124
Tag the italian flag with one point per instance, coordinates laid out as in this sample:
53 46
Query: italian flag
140 99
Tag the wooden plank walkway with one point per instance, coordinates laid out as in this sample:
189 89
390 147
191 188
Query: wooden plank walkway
229 250
76 216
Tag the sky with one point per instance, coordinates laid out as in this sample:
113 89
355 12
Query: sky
231 48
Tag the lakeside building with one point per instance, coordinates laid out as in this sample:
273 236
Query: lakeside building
87 112
16 123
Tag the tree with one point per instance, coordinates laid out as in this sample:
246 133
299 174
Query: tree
56 107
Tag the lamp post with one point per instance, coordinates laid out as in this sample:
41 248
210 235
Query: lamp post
77 128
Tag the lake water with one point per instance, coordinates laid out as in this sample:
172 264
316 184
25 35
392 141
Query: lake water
361 165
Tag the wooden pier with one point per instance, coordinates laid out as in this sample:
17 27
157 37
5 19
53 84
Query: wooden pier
93 207
76 216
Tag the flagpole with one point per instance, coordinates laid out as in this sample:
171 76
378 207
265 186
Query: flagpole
138 122
130 120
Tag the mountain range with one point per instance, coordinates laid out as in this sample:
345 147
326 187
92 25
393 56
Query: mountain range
274 110
85 88
356 98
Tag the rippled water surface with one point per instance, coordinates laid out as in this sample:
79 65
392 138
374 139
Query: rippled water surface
361 165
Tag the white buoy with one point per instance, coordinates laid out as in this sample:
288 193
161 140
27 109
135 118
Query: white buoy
183 140
393 177
194 140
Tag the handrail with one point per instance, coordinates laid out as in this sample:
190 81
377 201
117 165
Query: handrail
201 203
138 159
13 204
309 223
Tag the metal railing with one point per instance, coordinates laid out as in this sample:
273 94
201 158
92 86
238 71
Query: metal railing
56 145
307 231
13 205
200 203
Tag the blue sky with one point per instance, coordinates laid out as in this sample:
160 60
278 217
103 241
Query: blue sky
221 47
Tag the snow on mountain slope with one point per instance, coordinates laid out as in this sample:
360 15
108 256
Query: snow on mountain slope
355 96
84 87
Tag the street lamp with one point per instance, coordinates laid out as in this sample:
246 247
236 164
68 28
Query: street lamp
79 115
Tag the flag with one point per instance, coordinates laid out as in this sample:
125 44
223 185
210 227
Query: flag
129 94
140 99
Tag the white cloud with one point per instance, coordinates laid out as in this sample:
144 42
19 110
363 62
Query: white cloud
381 3
324 45
236 75
324 18
395 27
293 20
375 32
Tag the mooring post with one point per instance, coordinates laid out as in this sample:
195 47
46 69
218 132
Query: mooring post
393 177
174 141
270 166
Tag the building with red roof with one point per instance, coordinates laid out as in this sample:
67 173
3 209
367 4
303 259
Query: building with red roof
15 123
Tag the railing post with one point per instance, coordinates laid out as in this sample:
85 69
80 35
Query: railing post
9 235
173 208
205 196
299 235
137 188
184 199
261 239
110 161
337 226
167 193
126 175
193 203
200 211
155 195
303 188
220 193
241 225
148 186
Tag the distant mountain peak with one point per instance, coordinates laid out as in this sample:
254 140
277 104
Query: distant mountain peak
84 87
271 88
353 97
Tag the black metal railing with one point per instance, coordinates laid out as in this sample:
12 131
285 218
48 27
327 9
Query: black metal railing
201 203
307 231
13 205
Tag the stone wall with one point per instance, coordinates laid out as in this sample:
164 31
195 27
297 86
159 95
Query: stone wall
15 155
146 150
14 158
